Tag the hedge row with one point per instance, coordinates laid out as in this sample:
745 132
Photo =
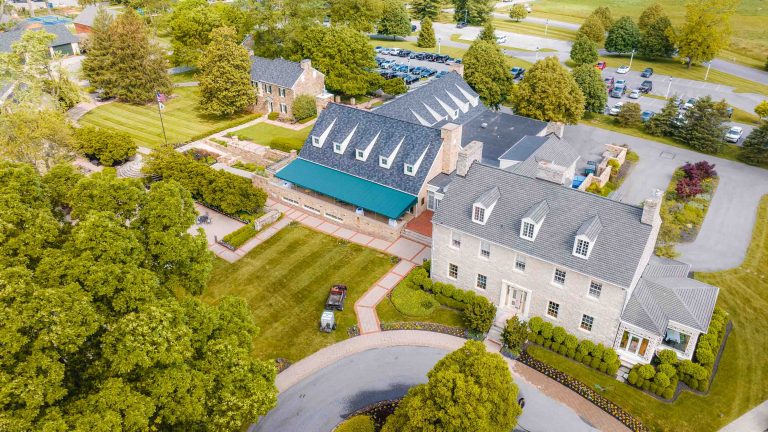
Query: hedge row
241 235
585 351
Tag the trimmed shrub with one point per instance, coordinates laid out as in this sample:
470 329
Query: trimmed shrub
555 345
668 393
595 363
558 334
603 366
699 372
479 314
449 302
661 379
640 382
667 356
358 423
633 377
667 369
413 302
578 357
646 385
586 346
693 383
570 352
571 342
705 356
709 339
613 368
686 367
547 343
539 340
587 360
562 349
646 371
653 388
610 356
304 107
515 333
535 324
703 385
241 235
660 390
598 351
546 330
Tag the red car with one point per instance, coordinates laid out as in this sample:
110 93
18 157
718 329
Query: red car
601 65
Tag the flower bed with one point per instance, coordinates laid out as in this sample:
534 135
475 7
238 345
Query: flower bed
584 391
428 326
353 331
282 364
378 411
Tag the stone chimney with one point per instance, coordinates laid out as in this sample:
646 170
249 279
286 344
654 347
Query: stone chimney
551 172
556 128
306 64
471 153
457 67
451 135
652 209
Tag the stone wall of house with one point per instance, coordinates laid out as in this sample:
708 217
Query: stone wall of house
311 82
654 343
499 269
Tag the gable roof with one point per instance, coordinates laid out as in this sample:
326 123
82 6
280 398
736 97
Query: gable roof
537 212
62 33
280 72
415 143
614 260
87 16
554 149
444 100
590 228
489 197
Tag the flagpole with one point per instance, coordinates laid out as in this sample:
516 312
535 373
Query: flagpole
160 111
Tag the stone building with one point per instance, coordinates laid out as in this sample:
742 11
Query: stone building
278 82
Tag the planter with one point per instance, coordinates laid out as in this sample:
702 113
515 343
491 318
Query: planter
428 326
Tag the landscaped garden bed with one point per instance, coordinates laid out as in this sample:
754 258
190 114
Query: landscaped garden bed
276 137
377 412
428 326
619 173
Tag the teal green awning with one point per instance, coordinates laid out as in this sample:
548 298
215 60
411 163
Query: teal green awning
349 189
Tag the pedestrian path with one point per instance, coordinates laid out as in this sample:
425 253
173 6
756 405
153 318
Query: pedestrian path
755 420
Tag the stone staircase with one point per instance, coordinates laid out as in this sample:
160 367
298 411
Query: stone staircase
494 334
417 237
131 169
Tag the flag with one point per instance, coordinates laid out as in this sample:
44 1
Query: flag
161 98
161 105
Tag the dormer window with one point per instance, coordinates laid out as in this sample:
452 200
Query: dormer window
478 215
337 147
581 248
360 154
316 141
586 237
383 162
533 219
408 169
482 208
528 231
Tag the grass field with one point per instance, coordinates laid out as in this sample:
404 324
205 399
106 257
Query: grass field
184 76
741 381
457 38
534 29
264 134
285 281
183 121
442 315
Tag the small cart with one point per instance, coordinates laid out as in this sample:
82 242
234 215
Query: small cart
327 321
336 298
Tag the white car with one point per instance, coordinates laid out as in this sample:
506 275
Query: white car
501 40
734 134
622 69
620 83
616 108
635 94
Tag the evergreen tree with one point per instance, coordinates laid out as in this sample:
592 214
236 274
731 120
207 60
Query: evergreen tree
650 15
488 33
583 51
590 82
661 123
426 34
476 12
623 36
629 115
518 12
707 30
425 9
755 148
603 13
487 401
704 129
593 29
96 64
655 41
225 80
549 92
487 72
394 19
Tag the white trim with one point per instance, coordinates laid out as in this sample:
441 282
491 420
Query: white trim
448 271
290 200
463 106
392 156
321 139
368 148
452 113
333 217
311 209
417 165
435 115
345 143
522 229
565 277
584 239
546 310
528 300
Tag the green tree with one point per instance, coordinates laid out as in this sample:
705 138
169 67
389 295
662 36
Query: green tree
304 107
623 36
590 81
515 334
343 55
661 123
357 14
469 389
488 33
548 92
755 148
97 63
394 19
394 86
655 41
629 115
762 109
486 71
106 145
583 51
59 182
475 12
518 12
281 26
705 127
426 34
707 30
421 9
593 29
225 78
603 13
40 137
104 192
650 15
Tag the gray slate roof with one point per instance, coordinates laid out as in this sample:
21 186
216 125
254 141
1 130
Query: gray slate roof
524 148
489 197
665 267
501 132
415 140
280 72
590 228
537 212
62 33
436 98
554 149
88 14
615 259
657 300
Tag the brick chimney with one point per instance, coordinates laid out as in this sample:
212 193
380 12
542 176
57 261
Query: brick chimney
467 155
551 172
306 64
556 128
451 135
652 209
457 67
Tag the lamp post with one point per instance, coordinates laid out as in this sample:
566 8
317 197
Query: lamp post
706 75
546 27
537 53
669 86
438 44
631 58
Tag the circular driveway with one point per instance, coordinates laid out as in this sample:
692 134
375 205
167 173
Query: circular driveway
319 402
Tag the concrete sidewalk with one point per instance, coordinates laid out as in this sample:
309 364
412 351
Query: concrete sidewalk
755 420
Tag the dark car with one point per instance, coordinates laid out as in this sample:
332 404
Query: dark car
517 72
646 86
426 72
441 58
404 53
441 74
413 27
410 79
429 56
419 56
461 24
646 73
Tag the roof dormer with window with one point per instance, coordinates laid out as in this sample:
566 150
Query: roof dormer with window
433 113
532 220
586 236
362 154
412 169
482 208
385 161
318 141
341 147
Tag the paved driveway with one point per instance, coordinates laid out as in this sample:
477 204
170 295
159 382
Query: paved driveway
727 229
318 403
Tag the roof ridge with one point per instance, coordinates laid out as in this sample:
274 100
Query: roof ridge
410 124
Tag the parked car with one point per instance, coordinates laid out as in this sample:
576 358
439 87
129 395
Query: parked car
501 40
635 94
379 49
461 24
441 74
457 61
410 79
617 92
429 56
646 73
646 86
689 103
427 72
609 83
734 134
616 108
620 82
646 115
517 72
404 53
601 65
441 58
622 69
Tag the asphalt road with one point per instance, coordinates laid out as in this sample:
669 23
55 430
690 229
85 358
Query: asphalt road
320 402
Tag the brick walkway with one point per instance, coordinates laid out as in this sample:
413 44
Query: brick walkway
329 355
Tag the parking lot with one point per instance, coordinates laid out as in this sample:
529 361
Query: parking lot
411 64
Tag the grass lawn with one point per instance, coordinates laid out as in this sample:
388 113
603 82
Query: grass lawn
457 38
265 133
285 281
187 76
442 315
534 29
741 381
183 121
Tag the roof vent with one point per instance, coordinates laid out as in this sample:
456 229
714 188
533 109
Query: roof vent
484 125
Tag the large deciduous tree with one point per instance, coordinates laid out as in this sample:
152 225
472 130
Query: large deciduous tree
755 147
518 12
705 127
591 84
655 41
426 37
583 51
476 12
650 15
281 25
603 13
593 29
486 71
106 145
40 137
623 36
394 19
548 92
421 9
357 14
707 30
225 80
469 389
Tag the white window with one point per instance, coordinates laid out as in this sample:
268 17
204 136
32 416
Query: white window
595 289
281 92
455 239
311 209
586 322
553 309
528 231
316 141
482 281
383 161
478 215
284 108
520 263
268 88
337 147
432 201
453 271
582 248
408 169
559 277
485 249
360 154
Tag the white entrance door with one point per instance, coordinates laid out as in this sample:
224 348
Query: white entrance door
513 298
270 108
